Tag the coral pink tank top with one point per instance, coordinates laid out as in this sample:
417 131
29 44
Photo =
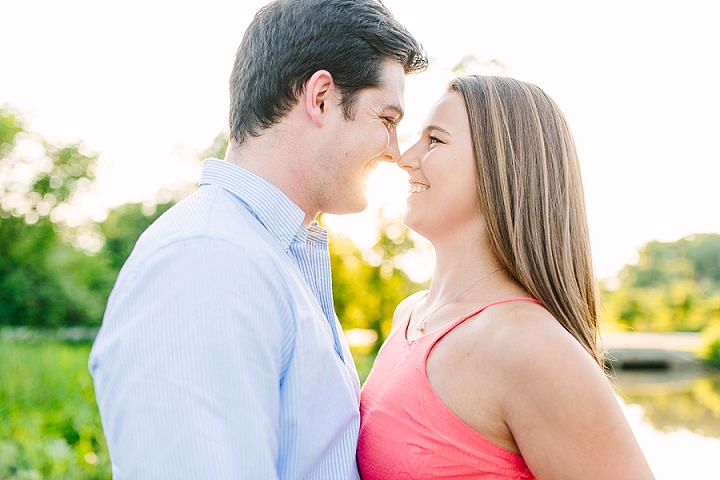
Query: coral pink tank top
407 432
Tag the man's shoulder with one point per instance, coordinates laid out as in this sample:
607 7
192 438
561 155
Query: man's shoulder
206 217
211 213
206 240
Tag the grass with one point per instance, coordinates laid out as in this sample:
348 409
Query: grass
49 422
363 362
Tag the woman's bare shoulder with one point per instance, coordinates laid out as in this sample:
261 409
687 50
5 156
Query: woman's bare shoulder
556 398
527 332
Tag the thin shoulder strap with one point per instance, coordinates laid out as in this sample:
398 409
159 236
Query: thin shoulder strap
496 302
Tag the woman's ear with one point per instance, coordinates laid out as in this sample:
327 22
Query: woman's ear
319 92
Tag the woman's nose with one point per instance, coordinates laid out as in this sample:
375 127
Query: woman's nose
409 160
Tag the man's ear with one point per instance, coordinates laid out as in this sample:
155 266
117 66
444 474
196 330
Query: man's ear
319 93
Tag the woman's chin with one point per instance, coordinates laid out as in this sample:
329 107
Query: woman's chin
410 219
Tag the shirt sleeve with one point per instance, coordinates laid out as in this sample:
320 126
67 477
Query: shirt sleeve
189 361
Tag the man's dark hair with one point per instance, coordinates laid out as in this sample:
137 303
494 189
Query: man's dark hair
289 40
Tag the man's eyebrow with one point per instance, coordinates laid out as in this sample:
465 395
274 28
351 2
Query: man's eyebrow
436 127
398 110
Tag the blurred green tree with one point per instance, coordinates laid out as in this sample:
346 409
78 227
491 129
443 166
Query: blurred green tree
218 147
37 180
123 227
691 404
674 286
367 286
45 281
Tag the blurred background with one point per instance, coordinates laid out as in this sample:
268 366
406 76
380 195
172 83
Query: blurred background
107 110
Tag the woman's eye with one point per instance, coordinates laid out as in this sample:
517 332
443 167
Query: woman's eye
434 140
389 123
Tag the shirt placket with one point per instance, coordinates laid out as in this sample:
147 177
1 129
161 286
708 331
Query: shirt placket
313 259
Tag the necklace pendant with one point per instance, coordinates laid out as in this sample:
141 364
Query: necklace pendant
420 327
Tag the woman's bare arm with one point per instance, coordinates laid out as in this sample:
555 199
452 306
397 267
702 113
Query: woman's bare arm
561 409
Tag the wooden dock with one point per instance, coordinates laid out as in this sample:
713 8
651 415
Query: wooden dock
652 351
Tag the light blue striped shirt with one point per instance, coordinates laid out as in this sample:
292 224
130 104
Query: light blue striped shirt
220 355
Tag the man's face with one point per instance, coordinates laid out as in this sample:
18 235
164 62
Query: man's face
356 146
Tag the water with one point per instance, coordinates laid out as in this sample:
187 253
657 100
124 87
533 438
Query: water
676 420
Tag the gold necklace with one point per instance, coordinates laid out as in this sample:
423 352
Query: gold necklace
421 326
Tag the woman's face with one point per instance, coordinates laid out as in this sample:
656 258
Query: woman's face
441 165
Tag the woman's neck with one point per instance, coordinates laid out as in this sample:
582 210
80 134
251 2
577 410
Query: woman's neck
458 265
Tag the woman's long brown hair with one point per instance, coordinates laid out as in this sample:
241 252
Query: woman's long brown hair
531 194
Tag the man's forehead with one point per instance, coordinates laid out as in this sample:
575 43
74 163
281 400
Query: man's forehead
392 87
392 76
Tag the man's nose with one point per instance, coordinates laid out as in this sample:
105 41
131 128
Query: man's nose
392 151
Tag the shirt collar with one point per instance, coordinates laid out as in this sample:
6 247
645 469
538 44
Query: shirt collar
280 216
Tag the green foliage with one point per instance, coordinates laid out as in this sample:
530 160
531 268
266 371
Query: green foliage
710 350
33 288
695 258
363 362
44 280
10 126
122 228
673 287
49 423
687 403
367 286
37 178
218 147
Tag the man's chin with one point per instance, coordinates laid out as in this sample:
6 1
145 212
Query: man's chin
351 205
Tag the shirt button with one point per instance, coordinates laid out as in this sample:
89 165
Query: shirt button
299 232
284 245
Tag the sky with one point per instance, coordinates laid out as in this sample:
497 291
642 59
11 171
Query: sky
144 83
